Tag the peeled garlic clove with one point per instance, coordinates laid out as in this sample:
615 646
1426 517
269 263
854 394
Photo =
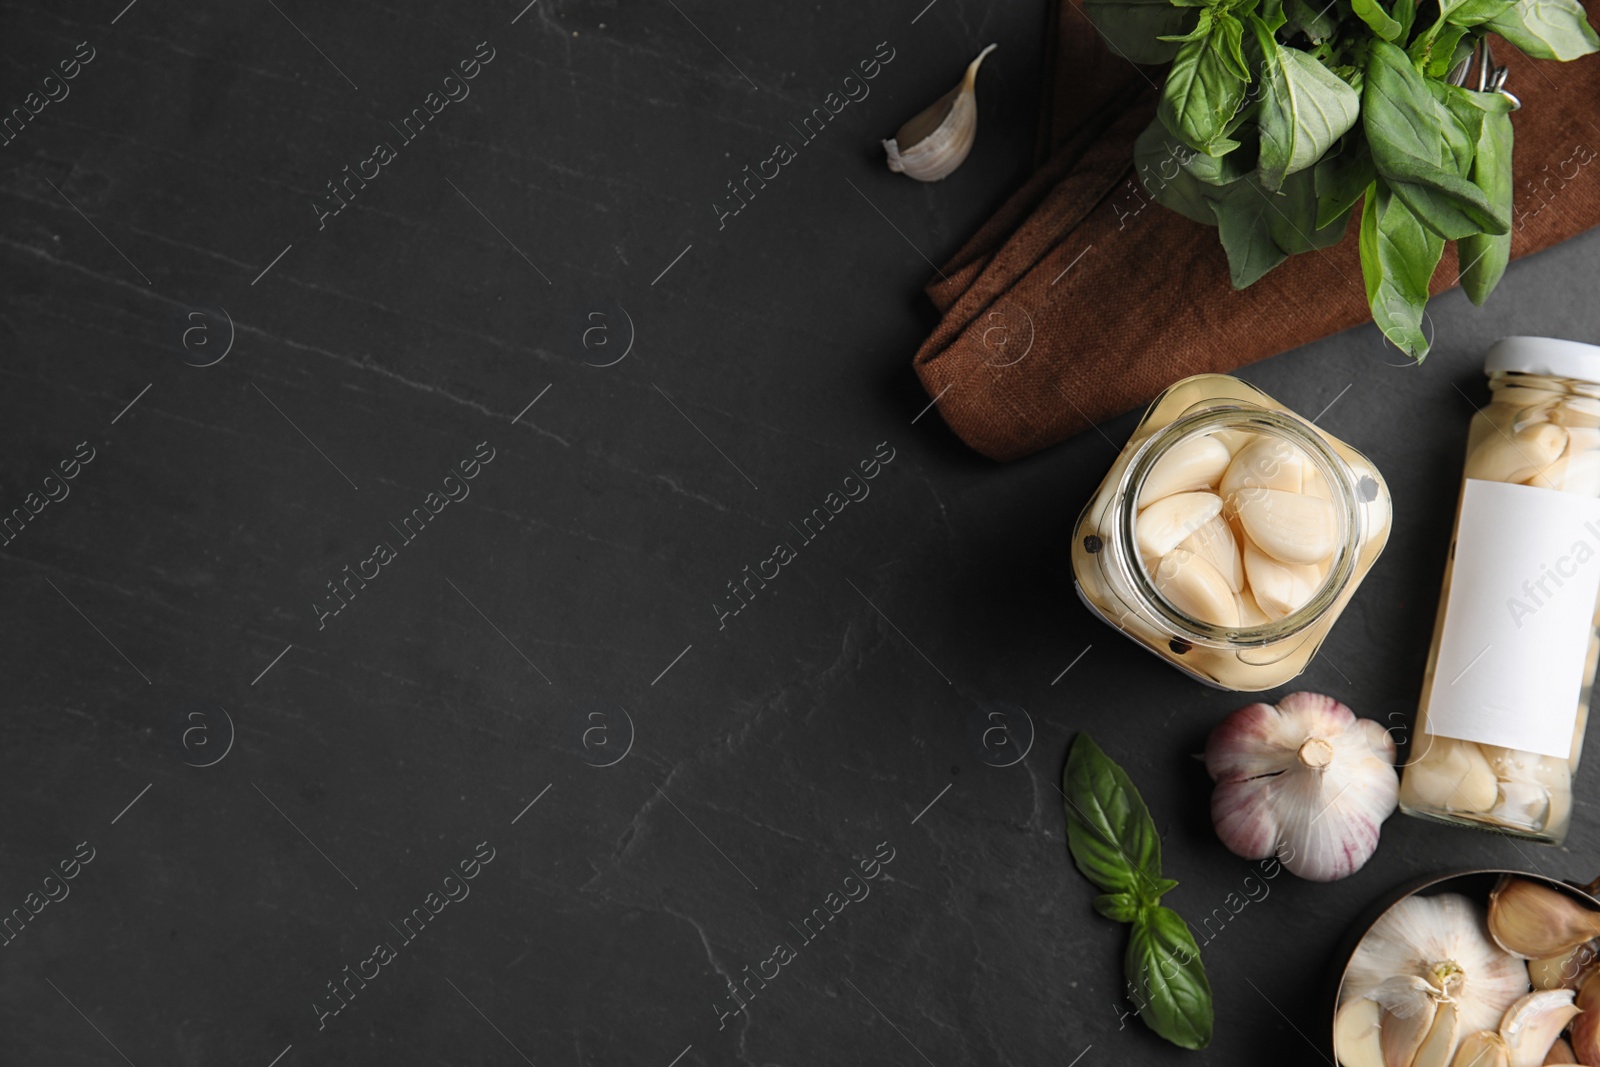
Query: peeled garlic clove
1196 463
936 140
1436 1048
1513 765
1519 456
1280 589
1195 588
1523 804
1234 439
1533 1023
1289 527
1268 462
1161 526
1561 1053
1250 613
1534 921
1214 543
1578 474
1357 1032
1482 1049
1452 775
1564 971
1314 484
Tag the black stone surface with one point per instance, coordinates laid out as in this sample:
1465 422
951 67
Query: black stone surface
163 615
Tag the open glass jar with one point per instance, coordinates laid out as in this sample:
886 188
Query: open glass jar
1505 696
1229 534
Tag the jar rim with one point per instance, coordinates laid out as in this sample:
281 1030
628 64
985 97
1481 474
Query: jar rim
1344 491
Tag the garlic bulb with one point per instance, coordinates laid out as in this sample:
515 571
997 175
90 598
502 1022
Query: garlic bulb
1306 781
1435 949
936 140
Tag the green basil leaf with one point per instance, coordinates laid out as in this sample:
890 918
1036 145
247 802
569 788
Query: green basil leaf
1305 109
1439 57
1377 19
1548 29
1273 14
1163 964
1204 89
1341 177
1416 143
1199 32
1246 220
1118 907
1109 831
1134 28
1160 159
1293 218
1316 21
1475 12
1398 258
1405 13
1483 257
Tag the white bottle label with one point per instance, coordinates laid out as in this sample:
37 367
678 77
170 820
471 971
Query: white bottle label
1521 610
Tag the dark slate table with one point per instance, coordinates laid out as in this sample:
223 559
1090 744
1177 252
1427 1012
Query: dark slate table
536 357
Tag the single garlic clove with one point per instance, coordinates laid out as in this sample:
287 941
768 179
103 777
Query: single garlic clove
1565 971
1585 1033
1516 457
1482 1049
1408 1014
1357 1033
1533 921
1196 588
1561 1053
1280 589
1214 543
1451 775
1289 527
936 140
1196 463
1533 1023
1437 1047
1234 439
1268 462
1578 474
1513 765
1250 613
1523 804
1161 526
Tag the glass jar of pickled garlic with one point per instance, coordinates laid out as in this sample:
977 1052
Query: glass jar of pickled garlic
1229 534
1505 696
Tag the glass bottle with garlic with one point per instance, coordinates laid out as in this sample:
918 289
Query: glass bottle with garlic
1505 697
1229 534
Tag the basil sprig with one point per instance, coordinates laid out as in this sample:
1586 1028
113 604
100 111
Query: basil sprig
1278 116
1115 845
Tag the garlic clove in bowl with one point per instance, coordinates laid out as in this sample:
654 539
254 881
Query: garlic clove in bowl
936 140
1305 780
1534 921
1533 1023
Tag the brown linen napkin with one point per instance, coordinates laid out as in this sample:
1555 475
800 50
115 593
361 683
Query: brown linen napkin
1082 297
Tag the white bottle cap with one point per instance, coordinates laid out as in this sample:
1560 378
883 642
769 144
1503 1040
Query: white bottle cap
1548 356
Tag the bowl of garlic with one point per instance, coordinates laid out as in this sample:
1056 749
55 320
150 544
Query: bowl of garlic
1487 968
1229 534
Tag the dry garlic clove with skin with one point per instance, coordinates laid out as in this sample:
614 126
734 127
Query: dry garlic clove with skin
1534 921
1585 1033
1197 463
1214 543
1565 971
1289 527
1279 589
1196 588
1516 457
1482 1049
1357 1033
1561 1053
1266 463
1453 775
1305 780
1161 526
1410 1006
1437 1047
936 140
1533 1023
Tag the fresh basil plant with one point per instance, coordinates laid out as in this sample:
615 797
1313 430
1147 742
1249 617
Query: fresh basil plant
1278 116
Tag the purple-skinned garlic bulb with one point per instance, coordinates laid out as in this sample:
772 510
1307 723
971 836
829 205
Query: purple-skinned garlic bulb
1305 781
